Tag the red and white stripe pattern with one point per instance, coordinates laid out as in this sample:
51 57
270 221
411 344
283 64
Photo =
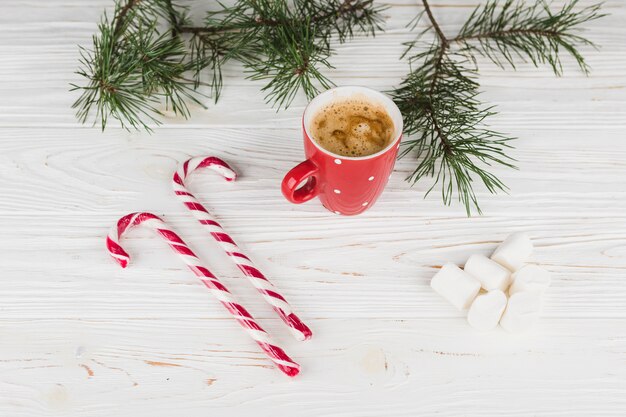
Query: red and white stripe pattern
275 353
260 282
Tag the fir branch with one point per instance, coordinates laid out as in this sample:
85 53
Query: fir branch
132 68
439 97
292 59
443 118
133 65
285 43
531 33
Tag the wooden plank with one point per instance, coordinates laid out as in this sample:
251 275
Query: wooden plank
352 367
570 172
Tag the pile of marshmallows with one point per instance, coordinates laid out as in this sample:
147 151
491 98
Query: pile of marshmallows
505 270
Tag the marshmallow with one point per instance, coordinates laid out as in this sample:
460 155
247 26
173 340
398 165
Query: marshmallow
514 251
521 312
530 278
486 310
456 286
492 275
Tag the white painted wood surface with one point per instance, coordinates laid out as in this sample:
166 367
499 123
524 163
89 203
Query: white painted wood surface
81 337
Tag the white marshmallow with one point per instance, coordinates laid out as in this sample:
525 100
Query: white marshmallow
492 275
530 278
456 286
514 251
486 310
521 312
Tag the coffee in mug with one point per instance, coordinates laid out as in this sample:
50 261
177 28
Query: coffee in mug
351 140
354 126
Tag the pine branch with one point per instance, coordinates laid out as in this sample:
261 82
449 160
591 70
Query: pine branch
444 118
439 97
286 43
292 51
530 33
135 64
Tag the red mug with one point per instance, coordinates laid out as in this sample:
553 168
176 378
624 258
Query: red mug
345 185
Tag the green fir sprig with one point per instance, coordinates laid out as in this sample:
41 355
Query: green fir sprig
149 52
443 115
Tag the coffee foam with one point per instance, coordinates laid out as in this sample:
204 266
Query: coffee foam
352 127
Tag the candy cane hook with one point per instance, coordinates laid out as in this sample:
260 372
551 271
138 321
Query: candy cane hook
256 277
275 353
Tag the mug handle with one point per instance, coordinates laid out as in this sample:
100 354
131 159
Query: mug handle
306 170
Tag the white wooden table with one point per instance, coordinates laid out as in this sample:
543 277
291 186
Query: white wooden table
81 337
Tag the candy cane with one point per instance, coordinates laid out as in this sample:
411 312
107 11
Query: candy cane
260 282
275 353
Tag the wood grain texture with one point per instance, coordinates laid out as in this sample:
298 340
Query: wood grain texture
359 367
81 337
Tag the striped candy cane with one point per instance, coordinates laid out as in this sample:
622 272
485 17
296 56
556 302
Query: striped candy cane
260 282
275 353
